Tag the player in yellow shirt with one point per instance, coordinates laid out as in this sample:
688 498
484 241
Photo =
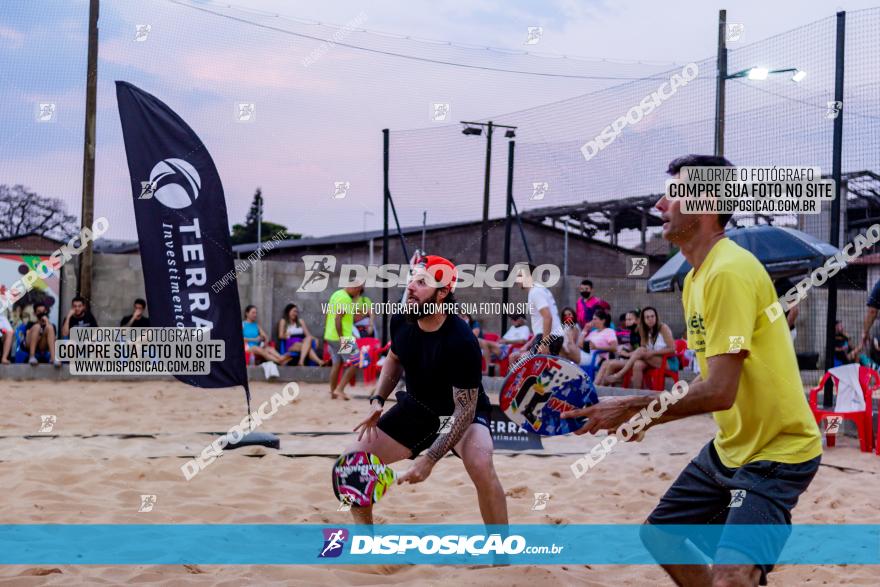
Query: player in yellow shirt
768 446
338 328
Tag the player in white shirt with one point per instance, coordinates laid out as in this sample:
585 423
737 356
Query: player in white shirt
546 326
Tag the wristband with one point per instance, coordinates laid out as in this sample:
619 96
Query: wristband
377 397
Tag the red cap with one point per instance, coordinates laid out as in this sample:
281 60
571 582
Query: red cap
441 269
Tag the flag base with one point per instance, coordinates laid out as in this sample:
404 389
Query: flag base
255 439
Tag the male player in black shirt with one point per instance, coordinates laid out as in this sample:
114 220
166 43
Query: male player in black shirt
444 406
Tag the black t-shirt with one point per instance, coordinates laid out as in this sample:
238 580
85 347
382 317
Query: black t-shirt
435 362
142 322
85 320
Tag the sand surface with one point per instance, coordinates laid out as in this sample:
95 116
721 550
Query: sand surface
93 467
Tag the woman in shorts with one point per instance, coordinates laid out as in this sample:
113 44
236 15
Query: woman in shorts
294 331
255 339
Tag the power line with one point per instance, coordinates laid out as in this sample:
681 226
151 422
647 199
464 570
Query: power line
504 50
402 55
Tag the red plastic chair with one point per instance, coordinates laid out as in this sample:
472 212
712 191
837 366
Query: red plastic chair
374 349
250 359
491 336
655 379
870 382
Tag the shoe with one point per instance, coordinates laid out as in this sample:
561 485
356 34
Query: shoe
56 363
33 361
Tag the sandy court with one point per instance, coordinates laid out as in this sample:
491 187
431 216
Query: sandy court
114 441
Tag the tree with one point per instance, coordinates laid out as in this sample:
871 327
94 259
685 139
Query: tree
24 212
247 232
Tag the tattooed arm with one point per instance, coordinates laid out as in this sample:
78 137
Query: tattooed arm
465 408
462 417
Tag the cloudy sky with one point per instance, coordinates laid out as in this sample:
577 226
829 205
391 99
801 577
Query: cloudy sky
320 107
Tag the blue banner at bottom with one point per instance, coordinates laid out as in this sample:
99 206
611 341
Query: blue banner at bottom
533 544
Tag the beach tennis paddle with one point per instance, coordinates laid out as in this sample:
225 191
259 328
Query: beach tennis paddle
361 479
540 389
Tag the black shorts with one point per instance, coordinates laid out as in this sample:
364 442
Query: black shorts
759 493
416 427
555 345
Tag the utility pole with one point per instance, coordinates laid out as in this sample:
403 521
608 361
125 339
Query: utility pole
87 214
484 229
475 128
719 84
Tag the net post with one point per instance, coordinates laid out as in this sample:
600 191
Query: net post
834 239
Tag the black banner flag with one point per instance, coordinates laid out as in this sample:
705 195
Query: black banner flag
183 230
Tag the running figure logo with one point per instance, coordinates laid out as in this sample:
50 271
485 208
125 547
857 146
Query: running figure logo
534 35
47 422
637 266
318 270
348 345
245 111
141 32
737 497
147 503
735 31
46 112
334 540
541 501
446 423
539 190
340 189
834 108
736 344
832 424
439 111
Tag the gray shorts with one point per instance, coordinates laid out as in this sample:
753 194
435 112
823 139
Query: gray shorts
760 494
333 349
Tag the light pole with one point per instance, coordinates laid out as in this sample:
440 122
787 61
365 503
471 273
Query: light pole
475 128
752 73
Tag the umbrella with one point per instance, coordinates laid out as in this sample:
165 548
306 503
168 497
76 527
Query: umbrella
782 251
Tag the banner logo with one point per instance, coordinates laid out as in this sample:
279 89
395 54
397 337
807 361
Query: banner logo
180 184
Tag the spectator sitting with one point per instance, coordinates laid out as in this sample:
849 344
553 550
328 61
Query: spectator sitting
587 304
518 333
657 342
628 338
363 314
843 353
7 333
40 337
78 317
597 336
136 319
255 339
628 335
296 333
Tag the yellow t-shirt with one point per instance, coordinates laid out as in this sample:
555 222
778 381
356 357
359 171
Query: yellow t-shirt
339 301
724 306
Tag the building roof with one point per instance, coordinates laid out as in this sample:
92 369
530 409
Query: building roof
366 236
